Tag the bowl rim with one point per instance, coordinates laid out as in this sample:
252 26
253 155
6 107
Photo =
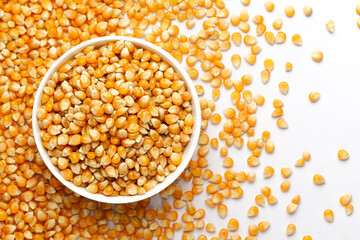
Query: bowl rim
189 149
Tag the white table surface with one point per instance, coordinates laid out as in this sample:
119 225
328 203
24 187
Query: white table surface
322 128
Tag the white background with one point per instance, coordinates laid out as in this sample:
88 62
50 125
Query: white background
322 128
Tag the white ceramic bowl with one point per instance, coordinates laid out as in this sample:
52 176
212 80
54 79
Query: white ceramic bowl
189 149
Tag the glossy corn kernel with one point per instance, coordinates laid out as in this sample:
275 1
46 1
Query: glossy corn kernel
329 215
317 56
290 229
289 11
343 155
263 226
330 26
345 199
281 123
314 96
318 179
307 10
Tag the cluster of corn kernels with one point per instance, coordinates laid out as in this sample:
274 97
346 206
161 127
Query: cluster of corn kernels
33 34
115 119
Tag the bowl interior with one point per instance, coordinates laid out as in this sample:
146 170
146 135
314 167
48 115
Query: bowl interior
187 153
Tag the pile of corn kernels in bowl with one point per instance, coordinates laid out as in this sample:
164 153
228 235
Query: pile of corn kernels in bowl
35 205
116 119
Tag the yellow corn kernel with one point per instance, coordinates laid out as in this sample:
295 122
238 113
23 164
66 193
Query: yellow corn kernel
255 49
260 200
300 162
250 58
290 229
330 25
277 23
215 118
269 6
329 215
199 90
215 93
280 37
289 11
266 191
285 186
288 66
349 209
214 143
263 226
222 210
270 38
286 172
251 176
296 199
314 96
228 162
343 155
318 179
245 2
269 64
281 123
246 79
317 56
250 40
235 20
277 112
259 99
236 60
253 161
284 87
307 10
291 208
253 211
244 27
233 225
258 19
265 76
252 229
345 199
268 172
236 38
296 39
260 29
277 103
223 151
210 228
269 146
306 155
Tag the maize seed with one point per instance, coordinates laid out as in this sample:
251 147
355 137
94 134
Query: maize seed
345 199
296 39
269 6
253 211
233 225
329 215
289 11
317 56
314 96
290 229
285 186
288 66
263 226
343 155
284 87
330 25
291 208
318 179
349 209
281 123
286 172
222 210
236 60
